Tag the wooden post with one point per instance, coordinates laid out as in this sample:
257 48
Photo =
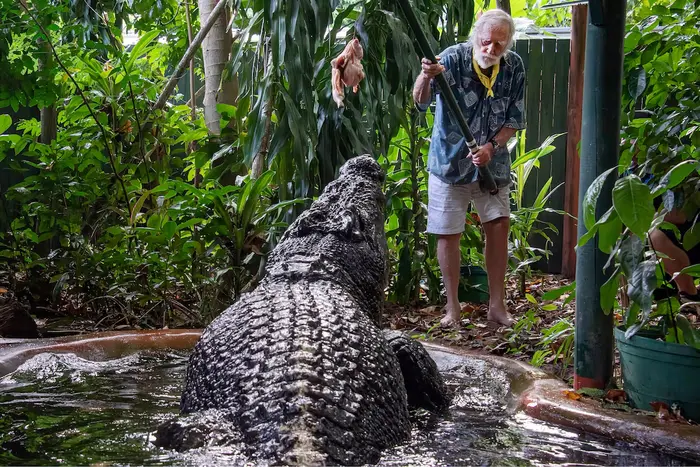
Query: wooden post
579 14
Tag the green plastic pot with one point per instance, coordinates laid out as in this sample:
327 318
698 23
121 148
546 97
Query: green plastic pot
474 285
658 371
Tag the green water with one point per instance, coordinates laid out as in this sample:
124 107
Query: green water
61 409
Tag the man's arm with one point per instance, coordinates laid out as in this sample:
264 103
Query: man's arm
421 88
503 136
483 156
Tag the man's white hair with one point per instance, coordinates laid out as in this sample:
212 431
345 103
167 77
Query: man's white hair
490 19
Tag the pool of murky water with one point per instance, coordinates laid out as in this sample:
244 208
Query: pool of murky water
63 409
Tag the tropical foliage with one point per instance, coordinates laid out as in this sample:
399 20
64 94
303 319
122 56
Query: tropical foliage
147 218
659 169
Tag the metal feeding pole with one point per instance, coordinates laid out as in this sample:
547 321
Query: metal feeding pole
600 146
484 172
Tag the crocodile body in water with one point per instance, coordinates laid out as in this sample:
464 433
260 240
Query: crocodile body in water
299 371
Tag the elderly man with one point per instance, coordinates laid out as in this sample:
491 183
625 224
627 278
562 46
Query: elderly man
488 80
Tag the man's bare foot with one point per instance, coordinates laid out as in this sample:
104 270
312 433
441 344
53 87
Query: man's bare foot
452 318
500 315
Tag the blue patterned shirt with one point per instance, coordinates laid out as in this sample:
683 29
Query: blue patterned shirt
486 116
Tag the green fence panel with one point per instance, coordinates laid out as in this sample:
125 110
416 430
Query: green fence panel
546 60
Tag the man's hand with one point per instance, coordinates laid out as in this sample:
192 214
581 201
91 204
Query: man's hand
430 69
483 156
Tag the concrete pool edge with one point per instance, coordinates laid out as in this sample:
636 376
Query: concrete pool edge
542 397
533 391
96 346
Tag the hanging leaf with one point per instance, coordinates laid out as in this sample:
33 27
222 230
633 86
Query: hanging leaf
631 251
637 82
609 232
593 230
608 292
631 320
633 202
590 200
641 286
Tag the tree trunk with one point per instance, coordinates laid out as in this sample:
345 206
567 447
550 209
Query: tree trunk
260 160
503 5
48 114
216 49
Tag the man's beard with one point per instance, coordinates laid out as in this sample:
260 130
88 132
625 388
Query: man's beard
485 61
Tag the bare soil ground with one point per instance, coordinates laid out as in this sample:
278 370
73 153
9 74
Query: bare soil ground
532 314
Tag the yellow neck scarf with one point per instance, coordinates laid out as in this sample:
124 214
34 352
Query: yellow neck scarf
487 81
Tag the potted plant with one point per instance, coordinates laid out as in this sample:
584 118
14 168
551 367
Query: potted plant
658 173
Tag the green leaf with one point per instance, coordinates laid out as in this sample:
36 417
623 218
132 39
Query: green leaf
637 82
169 229
549 307
693 270
689 334
631 319
631 251
631 40
251 197
590 200
141 47
588 235
633 202
137 207
153 221
674 177
33 237
609 232
558 292
531 299
5 123
691 237
608 292
592 231
189 223
641 286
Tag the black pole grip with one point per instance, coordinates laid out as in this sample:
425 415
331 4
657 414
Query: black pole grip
484 172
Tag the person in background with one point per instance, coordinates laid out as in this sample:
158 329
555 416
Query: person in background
488 80
676 256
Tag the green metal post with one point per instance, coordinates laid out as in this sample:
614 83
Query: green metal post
600 142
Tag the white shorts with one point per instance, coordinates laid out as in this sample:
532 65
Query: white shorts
448 205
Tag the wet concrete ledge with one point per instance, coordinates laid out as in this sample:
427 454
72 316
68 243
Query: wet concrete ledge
95 346
541 396
533 391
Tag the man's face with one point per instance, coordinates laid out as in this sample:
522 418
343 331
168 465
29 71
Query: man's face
491 45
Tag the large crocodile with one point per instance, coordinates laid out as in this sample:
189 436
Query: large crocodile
299 370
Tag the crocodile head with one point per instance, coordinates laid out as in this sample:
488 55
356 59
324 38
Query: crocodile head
340 237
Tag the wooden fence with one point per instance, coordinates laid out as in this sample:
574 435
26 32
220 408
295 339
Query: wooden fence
546 60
